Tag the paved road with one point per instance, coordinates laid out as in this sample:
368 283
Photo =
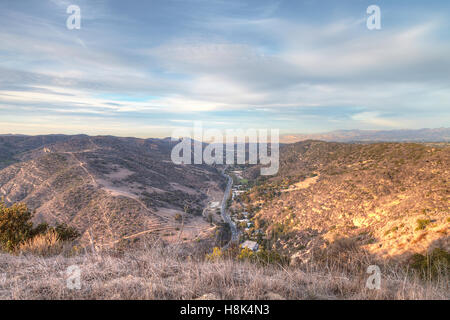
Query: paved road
224 212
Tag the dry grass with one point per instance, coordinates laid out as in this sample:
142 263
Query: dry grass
45 245
158 272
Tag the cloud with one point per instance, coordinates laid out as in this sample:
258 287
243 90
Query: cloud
374 118
230 62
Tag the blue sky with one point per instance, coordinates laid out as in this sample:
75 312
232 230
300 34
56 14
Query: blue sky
145 68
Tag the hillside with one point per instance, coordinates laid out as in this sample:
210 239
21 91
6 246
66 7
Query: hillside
391 199
108 188
11 146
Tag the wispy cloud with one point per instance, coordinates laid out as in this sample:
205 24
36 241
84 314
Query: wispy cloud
231 63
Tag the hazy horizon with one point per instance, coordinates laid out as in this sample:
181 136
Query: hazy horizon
288 134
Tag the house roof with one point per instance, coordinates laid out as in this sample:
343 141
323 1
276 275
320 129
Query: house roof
252 245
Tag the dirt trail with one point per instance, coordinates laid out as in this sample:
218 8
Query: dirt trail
126 194
5 194
114 192
82 165
154 228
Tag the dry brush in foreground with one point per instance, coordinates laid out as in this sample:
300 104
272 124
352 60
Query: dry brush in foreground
158 272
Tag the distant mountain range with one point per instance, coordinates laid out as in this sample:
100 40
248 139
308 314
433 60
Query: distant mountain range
405 135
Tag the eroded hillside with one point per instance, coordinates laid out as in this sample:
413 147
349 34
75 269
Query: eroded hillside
392 199
109 188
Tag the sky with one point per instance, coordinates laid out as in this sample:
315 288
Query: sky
146 68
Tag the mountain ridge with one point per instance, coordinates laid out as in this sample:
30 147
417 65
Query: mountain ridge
107 187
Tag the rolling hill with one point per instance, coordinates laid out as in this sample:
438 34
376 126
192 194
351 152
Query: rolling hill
108 188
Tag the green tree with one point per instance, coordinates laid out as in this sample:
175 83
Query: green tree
66 233
15 225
